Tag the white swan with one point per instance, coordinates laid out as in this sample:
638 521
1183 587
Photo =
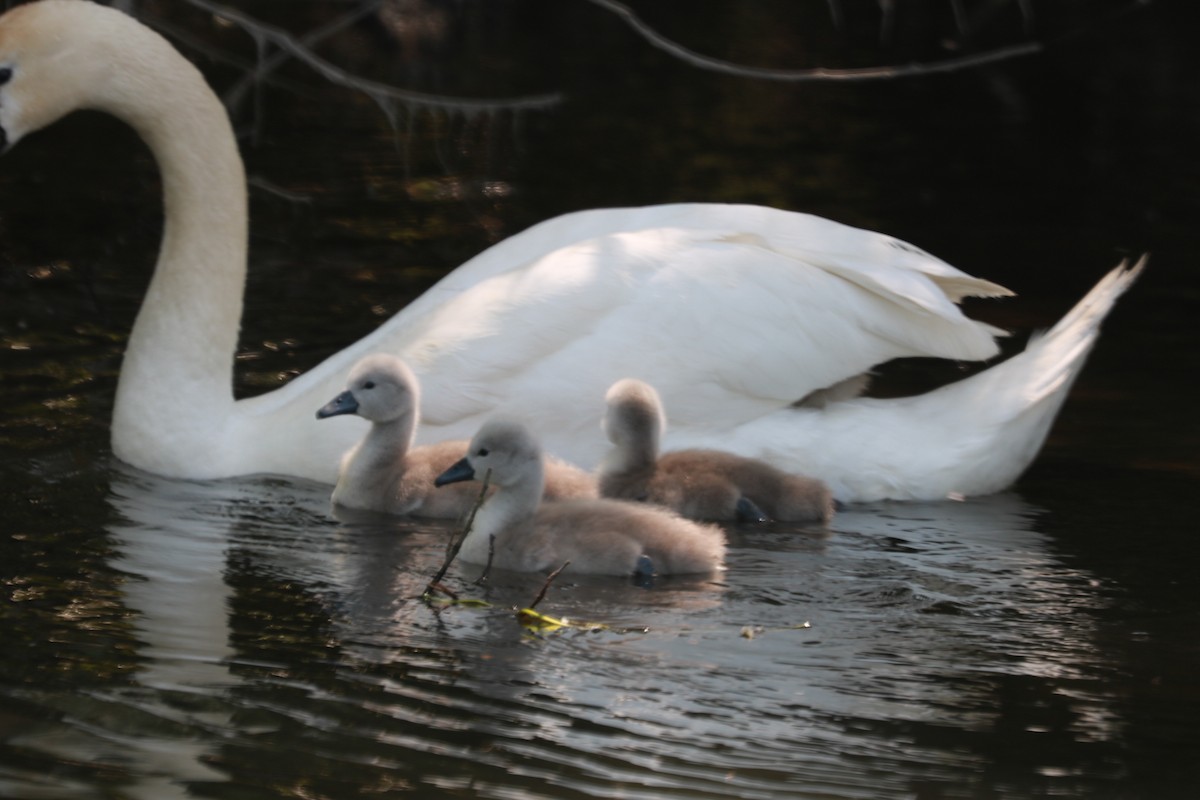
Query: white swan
515 530
384 472
735 312
698 484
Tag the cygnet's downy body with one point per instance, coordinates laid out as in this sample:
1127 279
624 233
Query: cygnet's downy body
516 531
385 472
698 484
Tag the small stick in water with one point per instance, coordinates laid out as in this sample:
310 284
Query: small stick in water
456 544
546 585
488 566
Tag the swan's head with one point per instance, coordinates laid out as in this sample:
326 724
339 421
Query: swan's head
57 56
381 388
633 415
503 447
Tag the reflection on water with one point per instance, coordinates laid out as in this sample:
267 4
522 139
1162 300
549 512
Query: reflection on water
267 645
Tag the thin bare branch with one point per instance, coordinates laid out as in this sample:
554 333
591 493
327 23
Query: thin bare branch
380 92
549 578
487 568
820 73
457 542
236 94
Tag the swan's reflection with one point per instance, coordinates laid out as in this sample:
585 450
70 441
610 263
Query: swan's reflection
174 539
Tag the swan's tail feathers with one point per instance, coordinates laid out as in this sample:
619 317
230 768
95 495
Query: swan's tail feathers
1014 404
994 423
1059 353
972 437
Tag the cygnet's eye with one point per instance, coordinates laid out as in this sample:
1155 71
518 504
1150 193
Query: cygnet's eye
6 74
369 385
481 452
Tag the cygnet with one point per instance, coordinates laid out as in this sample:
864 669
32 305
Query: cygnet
515 530
385 472
699 484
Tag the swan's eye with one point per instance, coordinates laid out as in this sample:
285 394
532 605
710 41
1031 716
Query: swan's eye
481 452
369 385
6 74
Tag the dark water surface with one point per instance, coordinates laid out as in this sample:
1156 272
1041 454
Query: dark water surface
232 639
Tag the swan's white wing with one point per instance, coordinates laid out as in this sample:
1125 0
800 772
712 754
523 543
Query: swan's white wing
896 272
864 256
726 329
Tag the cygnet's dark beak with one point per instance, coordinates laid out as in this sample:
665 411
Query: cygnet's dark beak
461 471
3 140
344 403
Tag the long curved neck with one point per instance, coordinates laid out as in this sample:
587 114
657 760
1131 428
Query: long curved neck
176 382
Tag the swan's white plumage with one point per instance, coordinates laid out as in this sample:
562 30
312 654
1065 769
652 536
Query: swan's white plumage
735 312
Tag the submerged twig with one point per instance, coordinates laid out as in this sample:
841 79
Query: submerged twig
549 578
456 544
487 568
537 621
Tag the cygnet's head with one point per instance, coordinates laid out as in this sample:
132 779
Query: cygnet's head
381 388
505 448
634 413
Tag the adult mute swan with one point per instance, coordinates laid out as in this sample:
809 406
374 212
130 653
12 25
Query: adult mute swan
734 312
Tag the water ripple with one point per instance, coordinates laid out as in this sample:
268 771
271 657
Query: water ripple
287 651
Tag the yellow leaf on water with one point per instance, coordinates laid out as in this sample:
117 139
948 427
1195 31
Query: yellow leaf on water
544 622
